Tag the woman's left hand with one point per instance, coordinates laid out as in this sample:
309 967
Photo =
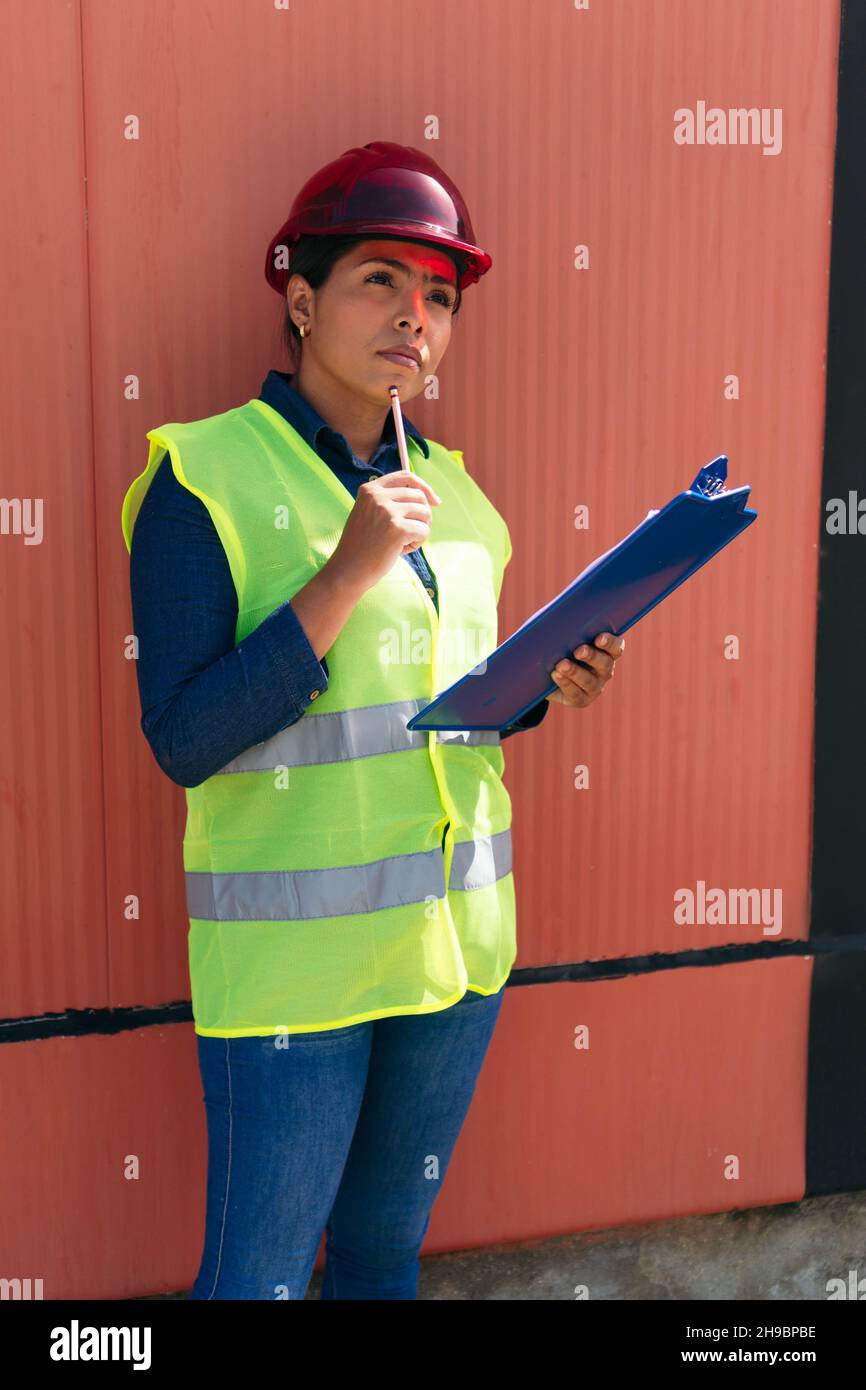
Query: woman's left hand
578 686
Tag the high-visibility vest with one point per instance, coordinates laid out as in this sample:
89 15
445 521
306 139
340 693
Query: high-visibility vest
320 890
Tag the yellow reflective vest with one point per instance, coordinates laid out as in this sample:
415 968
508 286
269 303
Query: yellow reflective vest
319 889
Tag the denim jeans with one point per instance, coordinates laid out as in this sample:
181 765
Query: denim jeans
347 1132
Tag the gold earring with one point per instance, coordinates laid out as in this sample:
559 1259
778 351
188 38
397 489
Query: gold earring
303 329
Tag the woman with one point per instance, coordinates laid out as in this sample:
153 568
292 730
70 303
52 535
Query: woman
349 881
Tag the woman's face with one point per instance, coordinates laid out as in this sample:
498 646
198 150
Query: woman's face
367 305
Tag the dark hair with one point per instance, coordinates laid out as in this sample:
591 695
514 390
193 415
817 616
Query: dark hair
314 257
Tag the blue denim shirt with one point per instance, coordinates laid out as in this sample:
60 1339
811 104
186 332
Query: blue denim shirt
203 699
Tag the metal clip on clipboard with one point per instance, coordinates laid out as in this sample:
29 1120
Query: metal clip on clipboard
614 592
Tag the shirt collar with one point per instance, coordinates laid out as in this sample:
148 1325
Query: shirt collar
279 392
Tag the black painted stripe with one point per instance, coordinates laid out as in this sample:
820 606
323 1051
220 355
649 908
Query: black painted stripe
79 1022
836 1105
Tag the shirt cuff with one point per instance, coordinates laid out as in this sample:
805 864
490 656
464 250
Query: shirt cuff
530 719
304 675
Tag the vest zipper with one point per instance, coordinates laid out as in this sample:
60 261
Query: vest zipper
433 744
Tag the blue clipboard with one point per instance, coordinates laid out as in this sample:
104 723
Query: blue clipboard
613 593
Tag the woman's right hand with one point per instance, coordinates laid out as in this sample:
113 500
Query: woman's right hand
391 516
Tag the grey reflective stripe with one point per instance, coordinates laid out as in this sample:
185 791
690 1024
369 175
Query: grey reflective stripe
468 735
339 736
301 894
292 895
478 863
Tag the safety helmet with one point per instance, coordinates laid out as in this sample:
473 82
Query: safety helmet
380 187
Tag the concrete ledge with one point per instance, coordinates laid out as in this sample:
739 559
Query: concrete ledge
768 1253
788 1252
785 1252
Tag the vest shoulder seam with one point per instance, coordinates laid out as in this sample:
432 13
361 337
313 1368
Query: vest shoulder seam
201 420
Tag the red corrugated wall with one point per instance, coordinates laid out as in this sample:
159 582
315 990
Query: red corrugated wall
150 149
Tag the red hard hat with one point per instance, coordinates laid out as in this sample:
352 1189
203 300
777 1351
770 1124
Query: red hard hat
380 187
